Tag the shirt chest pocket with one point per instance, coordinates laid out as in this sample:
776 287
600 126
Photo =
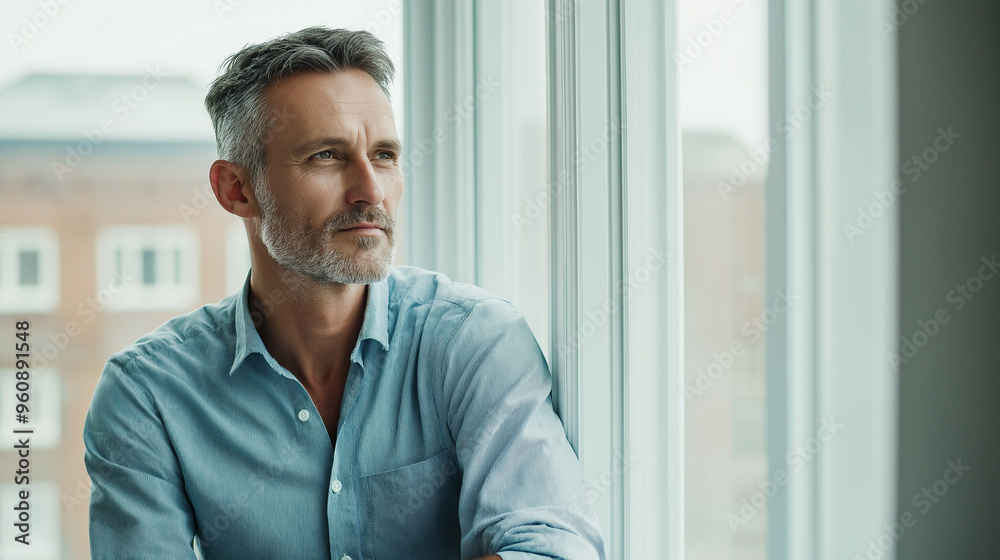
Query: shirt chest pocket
412 512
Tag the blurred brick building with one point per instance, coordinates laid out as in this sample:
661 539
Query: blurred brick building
725 318
107 229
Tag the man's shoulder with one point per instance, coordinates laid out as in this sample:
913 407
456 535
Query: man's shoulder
415 286
445 302
201 330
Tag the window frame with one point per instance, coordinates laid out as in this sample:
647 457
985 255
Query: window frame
620 394
613 372
125 291
820 365
15 297
462 140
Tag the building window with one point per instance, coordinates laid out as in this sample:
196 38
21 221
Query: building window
28 264
143 268
29 270
44 414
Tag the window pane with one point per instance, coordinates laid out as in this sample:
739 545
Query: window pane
148 266
28 265
724 114
526 162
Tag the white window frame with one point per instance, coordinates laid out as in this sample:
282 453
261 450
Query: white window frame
44 407
828 360
620 393
126 291
14 297
464 201
620 224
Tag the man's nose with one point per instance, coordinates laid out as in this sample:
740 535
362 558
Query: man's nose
363 184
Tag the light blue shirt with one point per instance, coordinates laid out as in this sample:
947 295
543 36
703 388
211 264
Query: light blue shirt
447 445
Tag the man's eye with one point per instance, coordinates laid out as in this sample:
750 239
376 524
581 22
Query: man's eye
325 154
385 155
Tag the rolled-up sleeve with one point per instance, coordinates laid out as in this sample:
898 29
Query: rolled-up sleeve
522 485
138 507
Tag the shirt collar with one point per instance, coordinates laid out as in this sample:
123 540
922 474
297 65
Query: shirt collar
374 327
376 323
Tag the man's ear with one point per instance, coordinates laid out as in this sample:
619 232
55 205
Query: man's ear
231 184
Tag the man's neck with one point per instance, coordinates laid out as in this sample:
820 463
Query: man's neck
313 329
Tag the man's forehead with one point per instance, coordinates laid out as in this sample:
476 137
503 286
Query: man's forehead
346 92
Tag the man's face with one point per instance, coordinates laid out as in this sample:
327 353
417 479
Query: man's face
332 185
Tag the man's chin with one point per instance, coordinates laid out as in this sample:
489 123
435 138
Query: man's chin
362 269
354 276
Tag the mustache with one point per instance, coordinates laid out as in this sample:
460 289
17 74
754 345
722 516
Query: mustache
371 214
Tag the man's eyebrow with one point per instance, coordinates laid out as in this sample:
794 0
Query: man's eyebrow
391 145
314 146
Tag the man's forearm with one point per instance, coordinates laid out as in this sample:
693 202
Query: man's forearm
490 557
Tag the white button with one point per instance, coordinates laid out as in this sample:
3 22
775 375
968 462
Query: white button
304 415
346 557
336 486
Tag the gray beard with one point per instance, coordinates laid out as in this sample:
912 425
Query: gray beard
301 253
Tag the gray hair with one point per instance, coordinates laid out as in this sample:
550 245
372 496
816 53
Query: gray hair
236 102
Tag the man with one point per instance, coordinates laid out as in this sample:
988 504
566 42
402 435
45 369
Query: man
336 407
